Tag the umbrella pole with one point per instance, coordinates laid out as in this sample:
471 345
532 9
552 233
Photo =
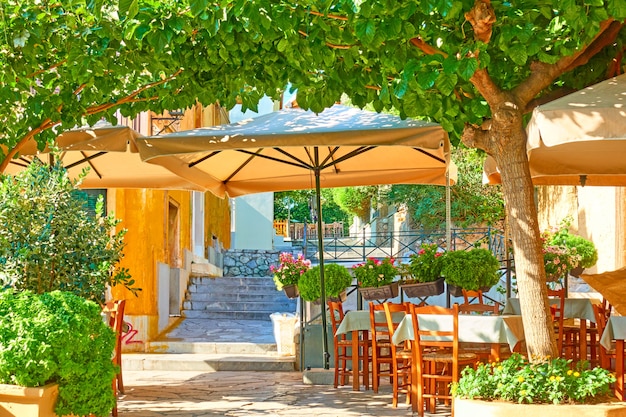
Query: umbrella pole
320 245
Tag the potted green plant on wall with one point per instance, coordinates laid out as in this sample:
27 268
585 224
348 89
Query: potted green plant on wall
288 272
375 278
57 339
475 269
336 279
423 272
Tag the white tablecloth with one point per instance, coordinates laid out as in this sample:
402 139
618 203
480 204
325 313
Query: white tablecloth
472 328
360 320
575 308
615 329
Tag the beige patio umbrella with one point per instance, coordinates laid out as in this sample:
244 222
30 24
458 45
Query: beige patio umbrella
611 285
112 156
296 149
578 139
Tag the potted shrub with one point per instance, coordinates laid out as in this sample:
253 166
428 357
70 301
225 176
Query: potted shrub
57 339
288 272
476 269
375 278
516 386
336 279
423 272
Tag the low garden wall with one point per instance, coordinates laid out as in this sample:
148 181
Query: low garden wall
249 262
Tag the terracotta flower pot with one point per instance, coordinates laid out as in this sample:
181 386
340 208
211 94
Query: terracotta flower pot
423 289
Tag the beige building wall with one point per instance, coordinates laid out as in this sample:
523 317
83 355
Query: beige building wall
598 215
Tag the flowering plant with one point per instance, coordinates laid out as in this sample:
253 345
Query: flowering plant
375 272
518 380
425 265
290 269
558 260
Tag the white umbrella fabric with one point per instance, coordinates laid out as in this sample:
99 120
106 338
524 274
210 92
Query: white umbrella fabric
578 139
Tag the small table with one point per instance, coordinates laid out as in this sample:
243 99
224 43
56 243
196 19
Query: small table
575 308
616 330
355 321
494 330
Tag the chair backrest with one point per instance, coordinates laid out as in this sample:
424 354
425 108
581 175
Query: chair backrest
470 295
601 318
115 310
378 324
558 311
335 309
443 336
390 310
483 309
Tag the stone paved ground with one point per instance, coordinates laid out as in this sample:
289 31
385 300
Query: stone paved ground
248 394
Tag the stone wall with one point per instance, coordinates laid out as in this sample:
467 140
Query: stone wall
249 262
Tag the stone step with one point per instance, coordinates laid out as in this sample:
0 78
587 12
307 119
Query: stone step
232 315
248 306
217 296
212 348
207 362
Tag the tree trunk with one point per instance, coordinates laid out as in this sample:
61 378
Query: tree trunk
520 206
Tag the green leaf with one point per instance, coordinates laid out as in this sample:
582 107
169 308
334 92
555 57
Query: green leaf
467 68
518 54
365 30
128 8
198 6
446 83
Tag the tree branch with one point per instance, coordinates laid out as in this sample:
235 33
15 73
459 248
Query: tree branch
482 17
543 74
426 48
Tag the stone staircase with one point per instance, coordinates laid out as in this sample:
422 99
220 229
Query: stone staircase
238 298
224 326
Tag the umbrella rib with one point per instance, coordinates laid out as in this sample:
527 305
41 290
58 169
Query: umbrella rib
204 158
21 162
252 155
87 159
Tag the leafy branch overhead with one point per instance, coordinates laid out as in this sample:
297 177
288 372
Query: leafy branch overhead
475 67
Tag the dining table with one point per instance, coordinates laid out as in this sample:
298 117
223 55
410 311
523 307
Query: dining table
473 328
574 308
353 322
616 330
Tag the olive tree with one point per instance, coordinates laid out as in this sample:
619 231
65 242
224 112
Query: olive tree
49 241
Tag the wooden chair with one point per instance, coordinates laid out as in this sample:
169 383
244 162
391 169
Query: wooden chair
381 345
437 358
343 347
471 295
567 334
400 355
485 352
115 312
607 357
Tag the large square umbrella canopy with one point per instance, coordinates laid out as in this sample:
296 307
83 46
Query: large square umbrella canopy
578 139
296 149
284 150
111 154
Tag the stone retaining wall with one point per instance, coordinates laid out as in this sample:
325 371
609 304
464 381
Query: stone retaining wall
249 262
